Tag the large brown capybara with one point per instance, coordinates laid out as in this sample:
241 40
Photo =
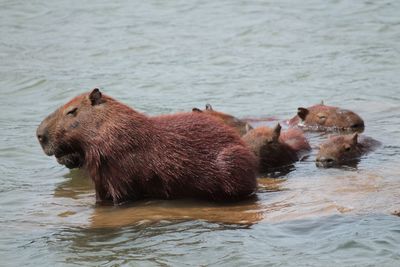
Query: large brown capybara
344 150
240 126
275 150
327 118
130 156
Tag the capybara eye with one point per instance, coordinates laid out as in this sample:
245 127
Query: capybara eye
72 111
347 148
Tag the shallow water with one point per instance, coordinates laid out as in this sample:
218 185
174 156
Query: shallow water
248 58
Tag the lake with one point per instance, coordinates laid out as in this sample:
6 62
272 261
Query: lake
252 59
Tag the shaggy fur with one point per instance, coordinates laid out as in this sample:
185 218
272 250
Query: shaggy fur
130 156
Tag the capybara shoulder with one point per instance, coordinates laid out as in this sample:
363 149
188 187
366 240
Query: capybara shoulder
344 149
131 156
274 149
240 126
327 118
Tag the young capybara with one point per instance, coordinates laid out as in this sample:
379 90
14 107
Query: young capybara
344 149
240 126
130 156
274 149
327 118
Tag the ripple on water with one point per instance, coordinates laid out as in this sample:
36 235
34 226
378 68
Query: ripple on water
251 59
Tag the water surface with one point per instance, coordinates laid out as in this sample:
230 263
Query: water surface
248 58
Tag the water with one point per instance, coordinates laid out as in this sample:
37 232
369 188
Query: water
247 58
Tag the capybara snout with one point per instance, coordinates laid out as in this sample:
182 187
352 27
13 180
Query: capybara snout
43 135
325 162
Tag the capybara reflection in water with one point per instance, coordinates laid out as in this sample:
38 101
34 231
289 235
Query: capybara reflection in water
344 149
274 149
327 118
130 156
240 126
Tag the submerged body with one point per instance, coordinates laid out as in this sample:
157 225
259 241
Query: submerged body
344 149
274 149
327 118
130 156
240 126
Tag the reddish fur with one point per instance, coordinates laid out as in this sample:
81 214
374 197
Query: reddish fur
342 149
321 117
240 126
130 156
274 149
296 140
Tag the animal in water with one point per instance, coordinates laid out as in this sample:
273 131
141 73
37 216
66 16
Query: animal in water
344 150
275 149
240 126
131 156
327 118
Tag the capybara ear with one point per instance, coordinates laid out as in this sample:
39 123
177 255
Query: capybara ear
95 97
248 128
302 113
354 138
277 132
209 107
196 110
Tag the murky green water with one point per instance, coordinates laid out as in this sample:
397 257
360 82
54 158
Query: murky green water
248 58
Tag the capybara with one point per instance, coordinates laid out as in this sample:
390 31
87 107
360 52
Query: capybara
130 156
240 126
327 118
274 149
344 149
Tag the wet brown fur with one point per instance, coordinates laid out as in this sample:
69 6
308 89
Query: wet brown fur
130 156
274 149
342 149
322 117
239 125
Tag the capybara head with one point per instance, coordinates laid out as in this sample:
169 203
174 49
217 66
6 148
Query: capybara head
271 150
61 133
339 150
321 117
240 126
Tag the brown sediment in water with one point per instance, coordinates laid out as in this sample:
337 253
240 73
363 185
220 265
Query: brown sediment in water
245 212
277 200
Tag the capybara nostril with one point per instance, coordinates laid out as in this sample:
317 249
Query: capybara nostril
357 126
325 162
42 137
325 159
